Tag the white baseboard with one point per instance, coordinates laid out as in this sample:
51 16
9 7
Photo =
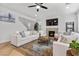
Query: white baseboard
3 41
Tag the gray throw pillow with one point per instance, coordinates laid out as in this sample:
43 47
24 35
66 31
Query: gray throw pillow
22 34
67 33
64 40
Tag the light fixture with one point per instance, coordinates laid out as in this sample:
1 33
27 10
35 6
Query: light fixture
67 5
37 7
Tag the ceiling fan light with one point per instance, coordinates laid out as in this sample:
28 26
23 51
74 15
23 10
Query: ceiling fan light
37 7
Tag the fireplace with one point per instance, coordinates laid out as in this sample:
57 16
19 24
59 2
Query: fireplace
51 33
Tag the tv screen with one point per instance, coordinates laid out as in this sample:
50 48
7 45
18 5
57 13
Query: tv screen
52 22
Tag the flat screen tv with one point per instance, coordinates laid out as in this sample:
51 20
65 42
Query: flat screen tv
52 22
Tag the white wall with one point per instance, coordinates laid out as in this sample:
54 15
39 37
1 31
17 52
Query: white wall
62 19
78 20
67 18
7 29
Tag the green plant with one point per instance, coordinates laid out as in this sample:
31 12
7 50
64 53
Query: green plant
74 45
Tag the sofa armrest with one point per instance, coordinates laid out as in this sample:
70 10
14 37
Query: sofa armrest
60 49
61 43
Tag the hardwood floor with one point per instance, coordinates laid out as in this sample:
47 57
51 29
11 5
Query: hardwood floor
7 49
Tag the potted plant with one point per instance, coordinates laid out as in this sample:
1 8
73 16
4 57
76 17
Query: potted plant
74 45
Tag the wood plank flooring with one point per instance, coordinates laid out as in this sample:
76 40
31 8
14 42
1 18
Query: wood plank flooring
7 49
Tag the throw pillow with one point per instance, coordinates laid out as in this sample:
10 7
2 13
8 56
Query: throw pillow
22 34
64 40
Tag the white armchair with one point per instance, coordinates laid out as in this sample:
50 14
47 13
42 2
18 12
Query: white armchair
59 49
61 46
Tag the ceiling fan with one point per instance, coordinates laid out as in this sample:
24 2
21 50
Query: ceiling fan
38 6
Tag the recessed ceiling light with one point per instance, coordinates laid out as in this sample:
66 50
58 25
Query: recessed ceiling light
67 5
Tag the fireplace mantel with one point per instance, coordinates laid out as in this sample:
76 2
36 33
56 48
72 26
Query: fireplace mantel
51 26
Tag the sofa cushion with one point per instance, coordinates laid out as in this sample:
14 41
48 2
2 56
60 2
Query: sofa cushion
33 32
43 33
67 33
68 38
27 33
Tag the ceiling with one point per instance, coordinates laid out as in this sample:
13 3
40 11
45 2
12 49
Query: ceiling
54 9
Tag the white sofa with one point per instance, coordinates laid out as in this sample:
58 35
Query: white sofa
60 48
17 40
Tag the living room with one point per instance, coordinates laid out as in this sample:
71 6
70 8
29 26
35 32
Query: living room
38 29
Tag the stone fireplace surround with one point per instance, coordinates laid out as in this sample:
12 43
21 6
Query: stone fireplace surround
51 28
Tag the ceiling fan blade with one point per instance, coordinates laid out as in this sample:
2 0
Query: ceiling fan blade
41 3
43 7
32 6
38 3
